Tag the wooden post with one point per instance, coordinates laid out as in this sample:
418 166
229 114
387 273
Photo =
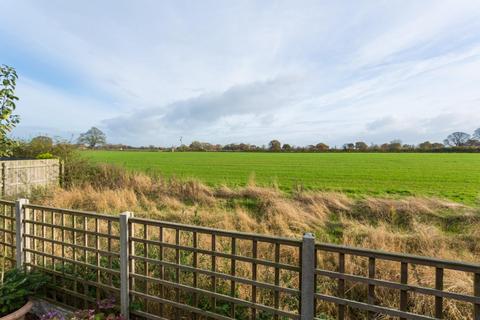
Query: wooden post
61 176
124 265
307 286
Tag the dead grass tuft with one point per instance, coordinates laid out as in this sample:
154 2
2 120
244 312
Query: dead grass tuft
423 226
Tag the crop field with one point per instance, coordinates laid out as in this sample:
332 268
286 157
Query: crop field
454 176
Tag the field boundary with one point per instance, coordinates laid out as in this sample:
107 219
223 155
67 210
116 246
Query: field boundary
165 269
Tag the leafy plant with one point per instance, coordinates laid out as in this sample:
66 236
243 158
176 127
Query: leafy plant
8 120
17 287
45 155
106 310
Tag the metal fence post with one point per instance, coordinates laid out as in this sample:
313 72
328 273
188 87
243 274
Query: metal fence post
19 232
476 293
307 285
124 265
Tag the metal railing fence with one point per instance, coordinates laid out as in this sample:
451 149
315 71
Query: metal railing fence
163 270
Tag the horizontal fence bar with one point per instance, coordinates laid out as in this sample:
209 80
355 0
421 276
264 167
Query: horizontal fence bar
220 296
76 246
73 262
73 278
7 202
73 212
72 229
372 308
219 232
399 286
293 292
186 307
86 231
220 254
408 258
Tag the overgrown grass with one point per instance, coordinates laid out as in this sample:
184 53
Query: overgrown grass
452 176
418 225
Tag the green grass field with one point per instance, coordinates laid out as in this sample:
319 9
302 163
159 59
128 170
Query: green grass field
452 176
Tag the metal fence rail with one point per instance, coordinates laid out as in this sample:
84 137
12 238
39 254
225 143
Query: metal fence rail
79 250
7 233
163 270
407 264
213 273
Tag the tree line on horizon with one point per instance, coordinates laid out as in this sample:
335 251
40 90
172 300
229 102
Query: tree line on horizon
455 142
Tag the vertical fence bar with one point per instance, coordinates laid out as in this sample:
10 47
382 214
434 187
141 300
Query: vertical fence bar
19 232
439 286
476 293
371 287
403 293
195 273
124 264
277 277
307 285
233 251
254 278
341 285
214 269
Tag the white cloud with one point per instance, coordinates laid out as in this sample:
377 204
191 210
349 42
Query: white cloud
247 71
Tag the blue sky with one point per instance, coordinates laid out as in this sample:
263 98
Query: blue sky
148 72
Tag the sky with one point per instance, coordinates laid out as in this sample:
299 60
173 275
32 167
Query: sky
150 72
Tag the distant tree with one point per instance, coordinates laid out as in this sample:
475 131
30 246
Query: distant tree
40 144
472 143
457 139
286 147
92 138
476 134
348 146
361 146
8 120
427 145
437 145
274 145
395 145
385 147
321 146
42 140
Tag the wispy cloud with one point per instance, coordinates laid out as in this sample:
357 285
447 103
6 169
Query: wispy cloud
303 72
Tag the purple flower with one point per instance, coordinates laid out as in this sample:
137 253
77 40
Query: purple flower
88 314
106 304
52 315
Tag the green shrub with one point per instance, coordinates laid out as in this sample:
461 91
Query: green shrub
45 155
17 287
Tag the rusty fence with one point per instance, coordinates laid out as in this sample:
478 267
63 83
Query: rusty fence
163 270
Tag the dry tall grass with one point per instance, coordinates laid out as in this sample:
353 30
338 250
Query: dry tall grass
429 227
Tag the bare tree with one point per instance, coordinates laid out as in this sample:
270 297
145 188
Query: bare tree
93 138
476 134
457 139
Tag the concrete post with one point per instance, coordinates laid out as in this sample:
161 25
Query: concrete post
124 265
20 242
307 285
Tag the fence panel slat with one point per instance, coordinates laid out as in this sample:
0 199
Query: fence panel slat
192 272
